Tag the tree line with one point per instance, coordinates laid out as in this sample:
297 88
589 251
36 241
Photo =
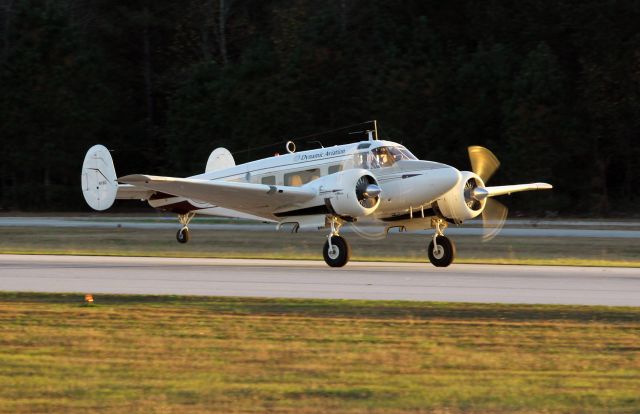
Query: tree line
552 87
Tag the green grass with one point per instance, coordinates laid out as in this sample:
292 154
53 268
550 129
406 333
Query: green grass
195 354
272 245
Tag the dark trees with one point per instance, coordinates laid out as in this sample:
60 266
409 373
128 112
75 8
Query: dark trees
552 87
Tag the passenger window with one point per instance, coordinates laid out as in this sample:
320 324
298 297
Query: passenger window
298 178
360 160
269 180
335 168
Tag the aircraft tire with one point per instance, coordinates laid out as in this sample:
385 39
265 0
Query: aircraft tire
445 254
183 235
340 254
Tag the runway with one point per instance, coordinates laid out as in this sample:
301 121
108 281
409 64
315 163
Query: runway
513 228
309 279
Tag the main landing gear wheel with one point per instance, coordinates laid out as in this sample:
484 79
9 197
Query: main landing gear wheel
443 253
336 255
183 235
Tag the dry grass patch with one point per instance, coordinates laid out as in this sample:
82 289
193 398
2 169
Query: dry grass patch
194 354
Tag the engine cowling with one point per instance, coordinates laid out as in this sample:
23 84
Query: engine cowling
351 193
465 200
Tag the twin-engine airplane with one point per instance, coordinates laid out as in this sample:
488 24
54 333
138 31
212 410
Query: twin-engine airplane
320 189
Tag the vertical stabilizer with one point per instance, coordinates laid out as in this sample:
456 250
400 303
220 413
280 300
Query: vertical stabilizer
219 159
98 178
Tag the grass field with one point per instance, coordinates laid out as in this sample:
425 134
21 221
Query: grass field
284 245
145 354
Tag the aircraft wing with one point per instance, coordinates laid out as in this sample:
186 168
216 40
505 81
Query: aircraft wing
131 192
508 189
257 199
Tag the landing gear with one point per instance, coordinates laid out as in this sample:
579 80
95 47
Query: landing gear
441 250
336 251
183 234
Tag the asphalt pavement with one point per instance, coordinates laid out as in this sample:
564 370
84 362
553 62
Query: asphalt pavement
314 279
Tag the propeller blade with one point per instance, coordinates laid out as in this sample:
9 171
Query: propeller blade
483 162
493 217
368 232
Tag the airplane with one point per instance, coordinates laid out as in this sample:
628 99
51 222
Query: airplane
322 188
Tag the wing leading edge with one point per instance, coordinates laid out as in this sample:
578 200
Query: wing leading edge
508 189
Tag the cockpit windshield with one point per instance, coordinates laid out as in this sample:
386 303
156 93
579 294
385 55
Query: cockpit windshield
407 155
382 157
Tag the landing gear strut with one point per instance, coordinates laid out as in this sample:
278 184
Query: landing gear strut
336 251
441 250
183 234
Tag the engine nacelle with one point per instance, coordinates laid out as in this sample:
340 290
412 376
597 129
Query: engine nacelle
458 204
351 193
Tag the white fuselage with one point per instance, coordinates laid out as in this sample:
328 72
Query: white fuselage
408 185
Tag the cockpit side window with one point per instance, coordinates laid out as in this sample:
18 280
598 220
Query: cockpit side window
382 157
360 160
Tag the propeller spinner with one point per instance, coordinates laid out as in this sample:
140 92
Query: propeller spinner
367 191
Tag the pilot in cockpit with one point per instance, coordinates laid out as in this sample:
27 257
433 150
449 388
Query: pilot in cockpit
382 157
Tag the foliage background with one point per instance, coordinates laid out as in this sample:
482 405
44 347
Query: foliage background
552 87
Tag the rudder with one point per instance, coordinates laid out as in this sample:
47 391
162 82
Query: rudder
98 179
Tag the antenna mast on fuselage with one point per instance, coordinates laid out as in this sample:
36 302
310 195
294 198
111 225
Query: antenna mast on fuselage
372 134
290 144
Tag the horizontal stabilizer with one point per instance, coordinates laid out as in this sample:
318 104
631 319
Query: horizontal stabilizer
508 189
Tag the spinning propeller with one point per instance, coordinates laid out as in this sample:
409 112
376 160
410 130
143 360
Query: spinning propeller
367 193
494 215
